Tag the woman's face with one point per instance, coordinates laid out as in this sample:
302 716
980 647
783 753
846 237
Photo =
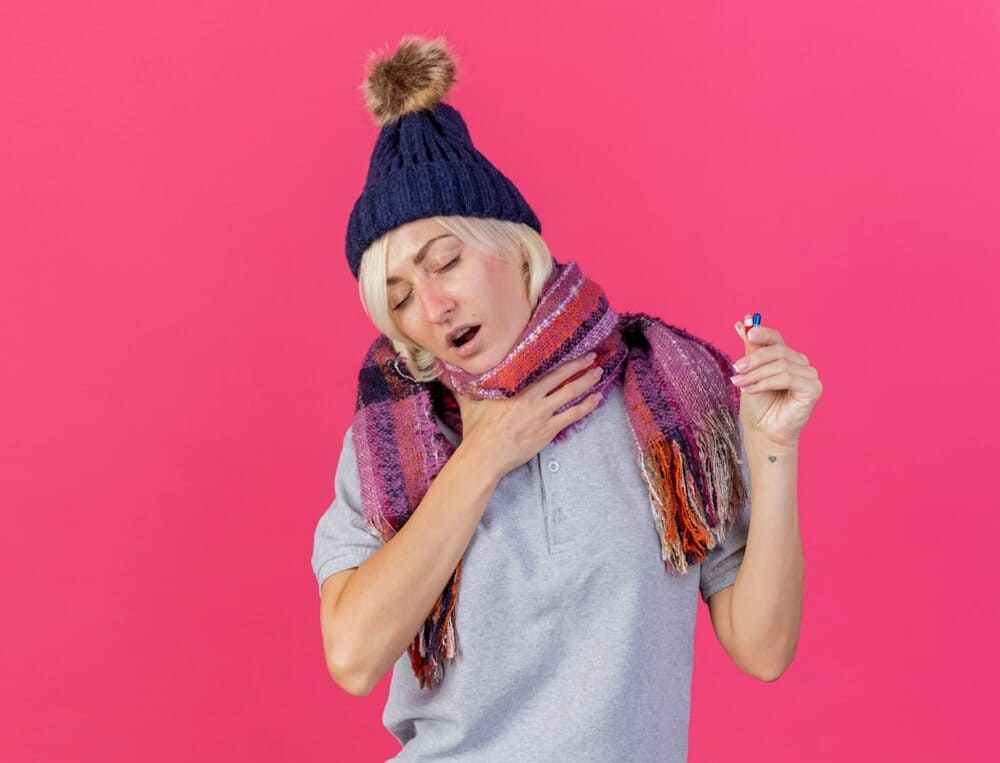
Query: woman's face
454 285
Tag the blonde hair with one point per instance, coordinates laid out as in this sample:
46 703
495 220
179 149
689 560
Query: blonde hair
510 241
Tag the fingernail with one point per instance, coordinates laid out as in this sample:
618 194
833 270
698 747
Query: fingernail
591 355
741 365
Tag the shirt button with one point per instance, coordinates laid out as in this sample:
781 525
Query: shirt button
553 466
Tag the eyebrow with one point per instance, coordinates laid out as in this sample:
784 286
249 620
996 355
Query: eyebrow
418 257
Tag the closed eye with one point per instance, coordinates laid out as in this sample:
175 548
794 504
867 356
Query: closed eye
449 266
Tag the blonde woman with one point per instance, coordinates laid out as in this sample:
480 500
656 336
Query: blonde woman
535 489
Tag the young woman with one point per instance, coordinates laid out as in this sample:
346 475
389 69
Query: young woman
535 489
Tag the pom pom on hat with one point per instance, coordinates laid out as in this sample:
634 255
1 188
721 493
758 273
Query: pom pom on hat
416 77
424 162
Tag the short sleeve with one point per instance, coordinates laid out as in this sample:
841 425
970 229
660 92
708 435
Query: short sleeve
342 540
719 568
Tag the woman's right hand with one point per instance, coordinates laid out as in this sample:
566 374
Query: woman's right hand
510 431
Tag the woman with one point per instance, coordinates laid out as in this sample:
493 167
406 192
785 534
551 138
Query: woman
535 489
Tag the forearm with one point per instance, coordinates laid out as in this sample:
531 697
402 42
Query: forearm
766 604
390 595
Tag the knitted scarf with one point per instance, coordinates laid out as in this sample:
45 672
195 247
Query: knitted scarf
682 409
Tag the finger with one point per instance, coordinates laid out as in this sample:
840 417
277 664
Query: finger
757 358
559 375
561 420
762 371
778 377
574 388
784 382
764 335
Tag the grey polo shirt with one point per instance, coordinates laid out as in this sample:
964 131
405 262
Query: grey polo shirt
574 642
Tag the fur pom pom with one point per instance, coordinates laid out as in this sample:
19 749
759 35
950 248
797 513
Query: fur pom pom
416 77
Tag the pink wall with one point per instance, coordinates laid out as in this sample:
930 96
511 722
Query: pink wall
180 335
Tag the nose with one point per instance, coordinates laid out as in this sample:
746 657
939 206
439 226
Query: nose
437 302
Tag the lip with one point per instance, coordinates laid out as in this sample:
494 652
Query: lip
450 335
470 347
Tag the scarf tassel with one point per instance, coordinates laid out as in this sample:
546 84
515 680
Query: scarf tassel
680 514
435 642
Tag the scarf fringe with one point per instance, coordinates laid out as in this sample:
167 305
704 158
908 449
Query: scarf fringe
436 641
688 526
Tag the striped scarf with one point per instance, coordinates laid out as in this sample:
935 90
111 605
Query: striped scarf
681 406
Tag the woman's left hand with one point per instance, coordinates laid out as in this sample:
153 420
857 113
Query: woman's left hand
779 387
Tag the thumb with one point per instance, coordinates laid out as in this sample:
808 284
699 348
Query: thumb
750 320
741 331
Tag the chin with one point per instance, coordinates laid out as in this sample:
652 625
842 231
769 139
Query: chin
481 362
477 365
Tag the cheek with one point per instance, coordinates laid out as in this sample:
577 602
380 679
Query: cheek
416 331
409 328
508 306
514 286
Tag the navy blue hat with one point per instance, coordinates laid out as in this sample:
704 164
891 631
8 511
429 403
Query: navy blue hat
424 162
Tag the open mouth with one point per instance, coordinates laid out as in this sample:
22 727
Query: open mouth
465 336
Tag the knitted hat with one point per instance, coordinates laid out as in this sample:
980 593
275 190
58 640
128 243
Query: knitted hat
423 163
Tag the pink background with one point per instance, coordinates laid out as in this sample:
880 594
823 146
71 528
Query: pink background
180 338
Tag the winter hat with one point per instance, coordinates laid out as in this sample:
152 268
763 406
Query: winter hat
424 163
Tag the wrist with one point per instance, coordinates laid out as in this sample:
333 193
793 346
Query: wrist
478 459
761 442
